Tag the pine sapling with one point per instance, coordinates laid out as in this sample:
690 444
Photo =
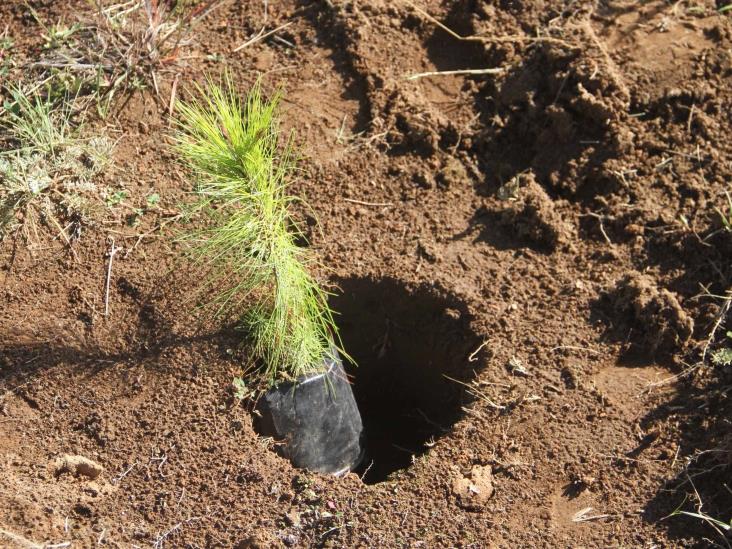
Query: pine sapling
257 269
260 274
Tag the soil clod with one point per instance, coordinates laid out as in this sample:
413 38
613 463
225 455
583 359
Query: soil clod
78 466
474 489
534 218
655 315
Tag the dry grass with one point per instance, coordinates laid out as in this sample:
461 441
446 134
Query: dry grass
119 48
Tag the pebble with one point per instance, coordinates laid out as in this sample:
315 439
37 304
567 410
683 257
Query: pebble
78 465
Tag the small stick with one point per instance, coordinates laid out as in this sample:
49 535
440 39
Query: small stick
259 36
583 515
721 315
472 357
575 348
367 470
161 461
505 38
173 91
158 227
160 542
328 532
283 41
113 250
676 456
123 474
496 70
363 203
62 232
691 118
155 84
339 135
600 219
476 393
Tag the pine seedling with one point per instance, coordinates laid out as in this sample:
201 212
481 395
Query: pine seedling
258 272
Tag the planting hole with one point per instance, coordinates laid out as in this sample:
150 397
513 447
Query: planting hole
407 342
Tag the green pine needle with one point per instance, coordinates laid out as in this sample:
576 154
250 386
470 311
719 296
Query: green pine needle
257 269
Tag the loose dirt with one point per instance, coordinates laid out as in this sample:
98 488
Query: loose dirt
523 263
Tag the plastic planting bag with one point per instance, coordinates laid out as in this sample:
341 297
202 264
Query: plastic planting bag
317 420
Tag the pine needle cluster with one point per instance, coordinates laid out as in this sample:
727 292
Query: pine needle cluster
257 269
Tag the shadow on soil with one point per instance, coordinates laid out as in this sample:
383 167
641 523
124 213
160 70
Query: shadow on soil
542 116
333 32
690 430
407 342
530 121
22 359
504 229
143 333
450 54
702 408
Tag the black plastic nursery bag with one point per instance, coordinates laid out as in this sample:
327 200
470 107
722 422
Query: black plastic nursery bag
317 420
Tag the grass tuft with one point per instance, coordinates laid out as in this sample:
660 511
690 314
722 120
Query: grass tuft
46 170
258 271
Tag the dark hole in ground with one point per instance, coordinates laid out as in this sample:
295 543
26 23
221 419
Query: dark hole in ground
405 340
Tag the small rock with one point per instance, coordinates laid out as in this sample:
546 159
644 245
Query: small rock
292 518
78 465
474 491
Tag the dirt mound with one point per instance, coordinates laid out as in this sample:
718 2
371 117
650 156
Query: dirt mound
655 315
560 112
533 216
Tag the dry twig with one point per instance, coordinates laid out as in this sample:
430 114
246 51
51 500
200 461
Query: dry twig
112 251
261 35
495 39
496 70
363 203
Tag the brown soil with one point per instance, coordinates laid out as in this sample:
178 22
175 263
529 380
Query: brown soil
544 235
